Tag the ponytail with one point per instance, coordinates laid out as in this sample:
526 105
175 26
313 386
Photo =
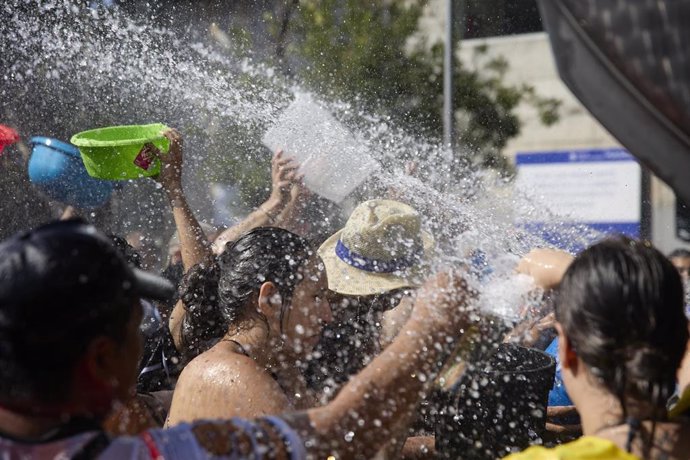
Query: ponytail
203 322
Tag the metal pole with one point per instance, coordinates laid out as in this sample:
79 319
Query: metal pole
448 69
646 205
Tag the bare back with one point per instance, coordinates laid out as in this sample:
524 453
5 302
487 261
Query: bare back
220 383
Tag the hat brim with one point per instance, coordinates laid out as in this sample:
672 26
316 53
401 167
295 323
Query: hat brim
153 287
348 280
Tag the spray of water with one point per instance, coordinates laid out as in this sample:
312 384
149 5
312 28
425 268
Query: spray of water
80 68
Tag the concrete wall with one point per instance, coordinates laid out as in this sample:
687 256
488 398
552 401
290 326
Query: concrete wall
531 62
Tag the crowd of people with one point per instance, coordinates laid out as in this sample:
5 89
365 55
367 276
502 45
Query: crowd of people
261 343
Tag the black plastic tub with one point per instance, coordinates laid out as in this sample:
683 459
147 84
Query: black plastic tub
497 406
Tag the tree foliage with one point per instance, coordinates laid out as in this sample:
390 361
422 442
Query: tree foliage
362 49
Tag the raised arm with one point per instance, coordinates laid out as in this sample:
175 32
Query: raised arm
294 217
194 245
546 266
283 175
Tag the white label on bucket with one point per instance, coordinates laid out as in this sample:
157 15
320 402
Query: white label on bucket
146 156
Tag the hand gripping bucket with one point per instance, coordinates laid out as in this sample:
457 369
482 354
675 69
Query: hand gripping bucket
122 152
56 169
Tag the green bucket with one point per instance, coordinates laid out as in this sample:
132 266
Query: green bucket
118 153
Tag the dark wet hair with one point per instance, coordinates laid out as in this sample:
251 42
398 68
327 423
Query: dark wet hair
621 306
680 253
218 295
126 250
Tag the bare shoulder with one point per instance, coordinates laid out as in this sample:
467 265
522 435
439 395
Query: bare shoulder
217 366
223 372
222 385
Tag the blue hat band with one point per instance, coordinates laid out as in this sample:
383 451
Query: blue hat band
374 265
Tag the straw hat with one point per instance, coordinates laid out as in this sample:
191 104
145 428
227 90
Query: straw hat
381 248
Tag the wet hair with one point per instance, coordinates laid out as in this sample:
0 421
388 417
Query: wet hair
158 364
679 253
218 295
621 305
126 250
157 361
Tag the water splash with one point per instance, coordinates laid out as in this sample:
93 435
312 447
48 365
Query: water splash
79 68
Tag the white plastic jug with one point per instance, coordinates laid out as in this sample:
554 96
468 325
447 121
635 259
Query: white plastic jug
331 159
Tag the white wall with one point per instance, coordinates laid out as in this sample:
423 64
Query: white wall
531 62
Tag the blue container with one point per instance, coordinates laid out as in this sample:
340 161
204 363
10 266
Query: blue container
557 396
57 170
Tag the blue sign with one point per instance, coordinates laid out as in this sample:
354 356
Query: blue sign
593 191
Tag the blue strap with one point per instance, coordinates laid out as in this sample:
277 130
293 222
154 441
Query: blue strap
373 265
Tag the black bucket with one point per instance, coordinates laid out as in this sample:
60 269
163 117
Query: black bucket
497 406
478 343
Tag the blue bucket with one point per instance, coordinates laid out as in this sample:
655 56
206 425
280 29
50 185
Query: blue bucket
57 170
558 396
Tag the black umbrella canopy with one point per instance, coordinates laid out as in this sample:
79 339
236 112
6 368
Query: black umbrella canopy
628 62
